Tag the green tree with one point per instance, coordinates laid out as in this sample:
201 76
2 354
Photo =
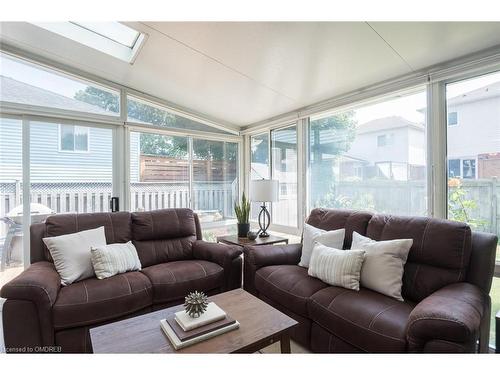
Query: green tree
330 138
155 144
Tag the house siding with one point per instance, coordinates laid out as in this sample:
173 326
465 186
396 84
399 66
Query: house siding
48 163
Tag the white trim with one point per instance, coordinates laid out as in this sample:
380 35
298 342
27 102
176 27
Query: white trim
181 132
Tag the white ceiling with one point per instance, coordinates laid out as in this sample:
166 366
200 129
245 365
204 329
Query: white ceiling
245 72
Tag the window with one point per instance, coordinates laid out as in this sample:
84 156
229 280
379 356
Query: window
350 167
476 145
454 168
143 112
114 31
27 84
469 168
159 172
385 140
452 118
112 38
74 138
215 179
284 162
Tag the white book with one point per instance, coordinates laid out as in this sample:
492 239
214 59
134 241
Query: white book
178 344
212 314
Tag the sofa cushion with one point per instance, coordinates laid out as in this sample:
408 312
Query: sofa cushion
163 224
439 255
116 226
337 219
92 301
174 280
288 285
367 320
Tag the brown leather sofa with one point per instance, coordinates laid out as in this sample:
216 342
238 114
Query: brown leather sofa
446 283
40 313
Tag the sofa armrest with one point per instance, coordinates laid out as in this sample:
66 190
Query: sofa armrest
221 254
267 255
27 313
226 256
40 284
448 320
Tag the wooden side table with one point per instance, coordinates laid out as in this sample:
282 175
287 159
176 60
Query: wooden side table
259 241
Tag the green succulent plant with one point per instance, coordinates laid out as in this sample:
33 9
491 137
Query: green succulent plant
242 210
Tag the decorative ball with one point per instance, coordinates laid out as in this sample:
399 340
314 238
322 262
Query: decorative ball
252 235
195 304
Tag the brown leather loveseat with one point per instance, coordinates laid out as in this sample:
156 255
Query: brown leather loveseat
40 314
446 283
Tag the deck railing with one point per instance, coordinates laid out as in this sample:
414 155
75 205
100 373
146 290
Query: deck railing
144 196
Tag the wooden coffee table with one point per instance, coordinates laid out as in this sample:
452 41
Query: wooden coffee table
260 325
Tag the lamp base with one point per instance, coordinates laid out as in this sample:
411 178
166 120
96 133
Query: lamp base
264 221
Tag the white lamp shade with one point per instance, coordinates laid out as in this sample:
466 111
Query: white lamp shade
264 190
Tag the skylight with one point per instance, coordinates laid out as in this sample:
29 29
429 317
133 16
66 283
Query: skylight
112 30
112 38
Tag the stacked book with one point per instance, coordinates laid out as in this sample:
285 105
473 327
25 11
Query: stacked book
183 330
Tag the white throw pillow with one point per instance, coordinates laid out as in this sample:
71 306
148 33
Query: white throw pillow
384 264
333 238
336 267
110 260
71 253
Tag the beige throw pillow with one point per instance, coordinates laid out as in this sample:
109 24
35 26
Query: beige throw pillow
336 267
333 238
71 253
384 264
110 260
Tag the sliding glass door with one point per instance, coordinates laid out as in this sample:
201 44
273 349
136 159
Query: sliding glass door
473 158
71 168
215 184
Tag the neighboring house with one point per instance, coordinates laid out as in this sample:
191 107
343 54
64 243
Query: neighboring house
474 133
387 148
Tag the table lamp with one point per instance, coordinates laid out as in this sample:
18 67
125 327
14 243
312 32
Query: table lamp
264 191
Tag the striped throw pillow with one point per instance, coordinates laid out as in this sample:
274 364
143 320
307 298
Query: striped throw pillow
336 267
110 260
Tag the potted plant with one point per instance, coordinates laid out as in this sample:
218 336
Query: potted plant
242 212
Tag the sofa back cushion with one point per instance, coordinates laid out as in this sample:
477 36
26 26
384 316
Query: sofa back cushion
327 219
116 227
439 255
164 235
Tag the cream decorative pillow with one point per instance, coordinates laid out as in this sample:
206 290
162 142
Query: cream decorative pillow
336 267
110 260
71 253
333 238
384 264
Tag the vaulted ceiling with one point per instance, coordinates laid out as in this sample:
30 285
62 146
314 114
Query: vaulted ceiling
244 72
